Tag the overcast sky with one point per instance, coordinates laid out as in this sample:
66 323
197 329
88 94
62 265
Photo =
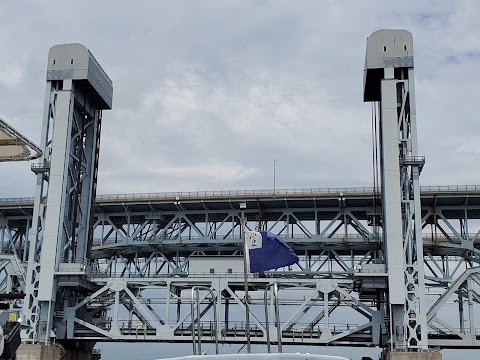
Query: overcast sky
208 93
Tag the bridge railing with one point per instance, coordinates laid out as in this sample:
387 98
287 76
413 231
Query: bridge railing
276 192
235 238
295 238
449 188
235 193
137 327
16 200
266 192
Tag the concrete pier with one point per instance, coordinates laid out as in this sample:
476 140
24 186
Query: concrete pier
408 355
52 352
38 352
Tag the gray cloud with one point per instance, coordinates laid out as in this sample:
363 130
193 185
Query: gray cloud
208 93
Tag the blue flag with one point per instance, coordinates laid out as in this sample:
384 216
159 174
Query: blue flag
268 251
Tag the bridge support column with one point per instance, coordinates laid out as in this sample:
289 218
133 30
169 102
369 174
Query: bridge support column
77 92
38 352
389 80
408 355
52 352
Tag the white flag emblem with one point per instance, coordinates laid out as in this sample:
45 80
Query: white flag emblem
253 239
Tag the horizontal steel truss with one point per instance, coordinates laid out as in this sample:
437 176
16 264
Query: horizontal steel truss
465 291
303 228
135 245
12 281
136 316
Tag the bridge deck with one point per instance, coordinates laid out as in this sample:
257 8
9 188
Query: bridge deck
451 196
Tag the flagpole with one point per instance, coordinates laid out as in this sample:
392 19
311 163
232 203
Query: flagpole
243 206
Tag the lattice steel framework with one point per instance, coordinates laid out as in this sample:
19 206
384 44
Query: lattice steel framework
77 90
136 287
120 269
389 79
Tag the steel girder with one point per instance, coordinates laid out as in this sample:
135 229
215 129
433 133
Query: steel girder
148 249
465 290
146 310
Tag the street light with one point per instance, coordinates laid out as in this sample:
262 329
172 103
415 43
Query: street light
274 174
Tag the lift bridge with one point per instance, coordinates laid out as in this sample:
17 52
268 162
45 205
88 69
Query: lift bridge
393 266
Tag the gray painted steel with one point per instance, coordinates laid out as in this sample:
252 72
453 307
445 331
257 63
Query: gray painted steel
77 90
386 49
76 62
143 243
391 52
118 269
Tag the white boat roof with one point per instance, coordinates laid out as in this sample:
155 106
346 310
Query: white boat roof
14 146
283 356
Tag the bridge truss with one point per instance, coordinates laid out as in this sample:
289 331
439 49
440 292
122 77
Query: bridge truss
395 266
136 285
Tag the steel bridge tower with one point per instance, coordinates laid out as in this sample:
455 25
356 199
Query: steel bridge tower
122 267
389 80
61 235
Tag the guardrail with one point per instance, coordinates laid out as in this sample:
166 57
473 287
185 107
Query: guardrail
25 200
277 192
127 326
295 238
235 238
266 192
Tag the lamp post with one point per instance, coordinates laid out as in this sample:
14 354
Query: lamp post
243 206
274 174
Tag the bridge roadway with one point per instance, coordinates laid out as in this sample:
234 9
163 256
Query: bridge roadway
208 221
143 244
